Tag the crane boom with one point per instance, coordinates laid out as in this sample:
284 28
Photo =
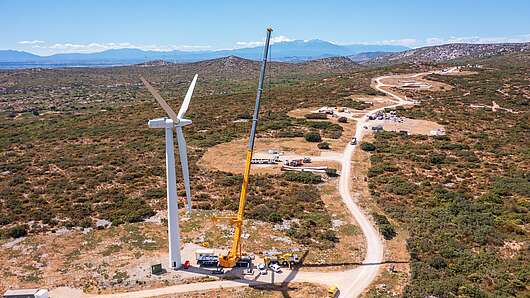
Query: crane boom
234 254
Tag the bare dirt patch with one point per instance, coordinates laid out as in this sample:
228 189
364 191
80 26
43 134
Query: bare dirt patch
119 258
401 81
412 126
230 157
351 248
376 101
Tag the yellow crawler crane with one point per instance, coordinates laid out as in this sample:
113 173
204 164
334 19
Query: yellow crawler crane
234 255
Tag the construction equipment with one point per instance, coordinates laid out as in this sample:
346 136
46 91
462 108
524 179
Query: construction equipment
294 162
286 258
234 255
333 291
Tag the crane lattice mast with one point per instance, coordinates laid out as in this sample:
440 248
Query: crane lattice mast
234 254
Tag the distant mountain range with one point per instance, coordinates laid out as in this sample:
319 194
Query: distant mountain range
297 50
291 51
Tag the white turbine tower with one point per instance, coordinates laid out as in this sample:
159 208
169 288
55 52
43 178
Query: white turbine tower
175 121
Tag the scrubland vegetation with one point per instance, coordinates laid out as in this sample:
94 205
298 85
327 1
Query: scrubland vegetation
87 154
464 197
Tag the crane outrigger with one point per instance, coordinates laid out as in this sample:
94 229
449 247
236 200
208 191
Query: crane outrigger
234 255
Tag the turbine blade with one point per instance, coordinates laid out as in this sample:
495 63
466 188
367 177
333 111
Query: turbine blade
161 101
184 163
187 98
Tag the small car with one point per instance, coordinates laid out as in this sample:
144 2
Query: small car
275 268
262 268
218 271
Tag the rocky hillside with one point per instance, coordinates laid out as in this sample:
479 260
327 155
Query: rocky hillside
330 64
368 56
451 52
237 67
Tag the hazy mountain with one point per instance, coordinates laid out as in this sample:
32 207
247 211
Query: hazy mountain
17 56
283 51
449 52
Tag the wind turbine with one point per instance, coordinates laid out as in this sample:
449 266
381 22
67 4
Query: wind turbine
175 121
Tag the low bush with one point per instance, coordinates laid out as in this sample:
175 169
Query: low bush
365 146
316 116
318 124
313 137
398 186
385 227
18 231
290 133
303 177
323 145
333 133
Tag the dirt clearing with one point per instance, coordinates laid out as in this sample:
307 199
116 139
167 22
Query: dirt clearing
411 126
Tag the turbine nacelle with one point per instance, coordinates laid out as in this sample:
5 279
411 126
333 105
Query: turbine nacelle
165 122
161 123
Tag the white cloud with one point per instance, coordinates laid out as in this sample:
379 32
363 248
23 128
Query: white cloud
30 42
250 44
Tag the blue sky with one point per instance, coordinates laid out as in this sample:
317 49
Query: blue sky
55 26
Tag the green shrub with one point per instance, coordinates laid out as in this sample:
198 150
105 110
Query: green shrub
274 217
313 137
385 227
18 231
323 145
437 159
365 146
316 116
303 177
318 124
333 133
343 120
398 186
290 133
